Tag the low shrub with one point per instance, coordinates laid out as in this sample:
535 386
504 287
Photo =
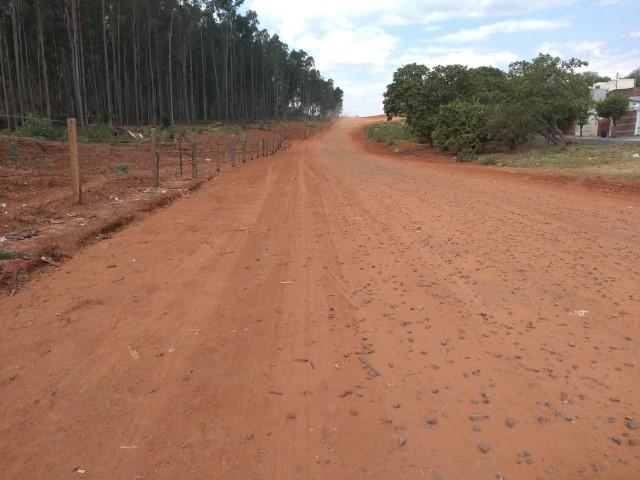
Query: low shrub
466 155
39 127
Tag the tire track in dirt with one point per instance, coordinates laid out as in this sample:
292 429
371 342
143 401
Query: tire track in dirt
490 307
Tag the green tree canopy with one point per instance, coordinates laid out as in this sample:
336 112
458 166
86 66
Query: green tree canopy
613 107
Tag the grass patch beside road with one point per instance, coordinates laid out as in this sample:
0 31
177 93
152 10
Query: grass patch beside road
609 160
391 133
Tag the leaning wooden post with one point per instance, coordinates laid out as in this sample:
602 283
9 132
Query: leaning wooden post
155 159
194 163
76 179
244 149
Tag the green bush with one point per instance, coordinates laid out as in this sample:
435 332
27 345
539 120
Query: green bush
165 121
460 125
99 133
466 155
12 153
391 133
40 127
123 169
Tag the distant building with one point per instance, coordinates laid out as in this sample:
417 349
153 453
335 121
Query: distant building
629 125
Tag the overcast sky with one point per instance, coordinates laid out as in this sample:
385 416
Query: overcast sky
360 43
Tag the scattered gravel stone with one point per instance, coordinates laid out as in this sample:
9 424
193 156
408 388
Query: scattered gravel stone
432 420
396 405
475 418
402 441
632 442
616 440
632 425
596 467
511 422
542 419
484 447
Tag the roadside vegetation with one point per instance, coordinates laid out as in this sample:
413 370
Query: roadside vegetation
151 62
391 133
458 108
620 160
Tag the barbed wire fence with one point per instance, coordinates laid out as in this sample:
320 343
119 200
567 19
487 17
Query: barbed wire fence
161 155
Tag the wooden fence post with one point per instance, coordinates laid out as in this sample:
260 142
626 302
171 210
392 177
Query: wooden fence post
233 150
244 149
217 156
76 179
194 163
155 159
180 150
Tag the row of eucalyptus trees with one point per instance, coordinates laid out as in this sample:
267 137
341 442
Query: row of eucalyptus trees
147 61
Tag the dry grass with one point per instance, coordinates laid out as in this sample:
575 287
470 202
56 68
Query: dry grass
608 160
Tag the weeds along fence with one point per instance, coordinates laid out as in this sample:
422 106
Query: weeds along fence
159 157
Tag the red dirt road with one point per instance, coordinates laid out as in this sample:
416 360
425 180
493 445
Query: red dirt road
224 337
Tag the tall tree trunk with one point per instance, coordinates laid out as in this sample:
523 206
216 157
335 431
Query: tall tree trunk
71 20
16 55
5 92
204 77
107 79
45 76
217 81
153 107
170 70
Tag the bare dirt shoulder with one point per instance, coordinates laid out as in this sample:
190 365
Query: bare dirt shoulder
41 226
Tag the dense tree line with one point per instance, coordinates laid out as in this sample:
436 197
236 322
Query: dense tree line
457 107
143 61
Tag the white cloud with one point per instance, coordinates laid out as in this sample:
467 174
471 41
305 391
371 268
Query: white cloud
442 56
293 18
549 48
360 43
356 47
507 26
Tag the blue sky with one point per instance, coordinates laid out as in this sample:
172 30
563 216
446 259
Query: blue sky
360 43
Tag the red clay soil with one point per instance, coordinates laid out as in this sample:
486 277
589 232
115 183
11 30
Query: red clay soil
333 313
36 203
